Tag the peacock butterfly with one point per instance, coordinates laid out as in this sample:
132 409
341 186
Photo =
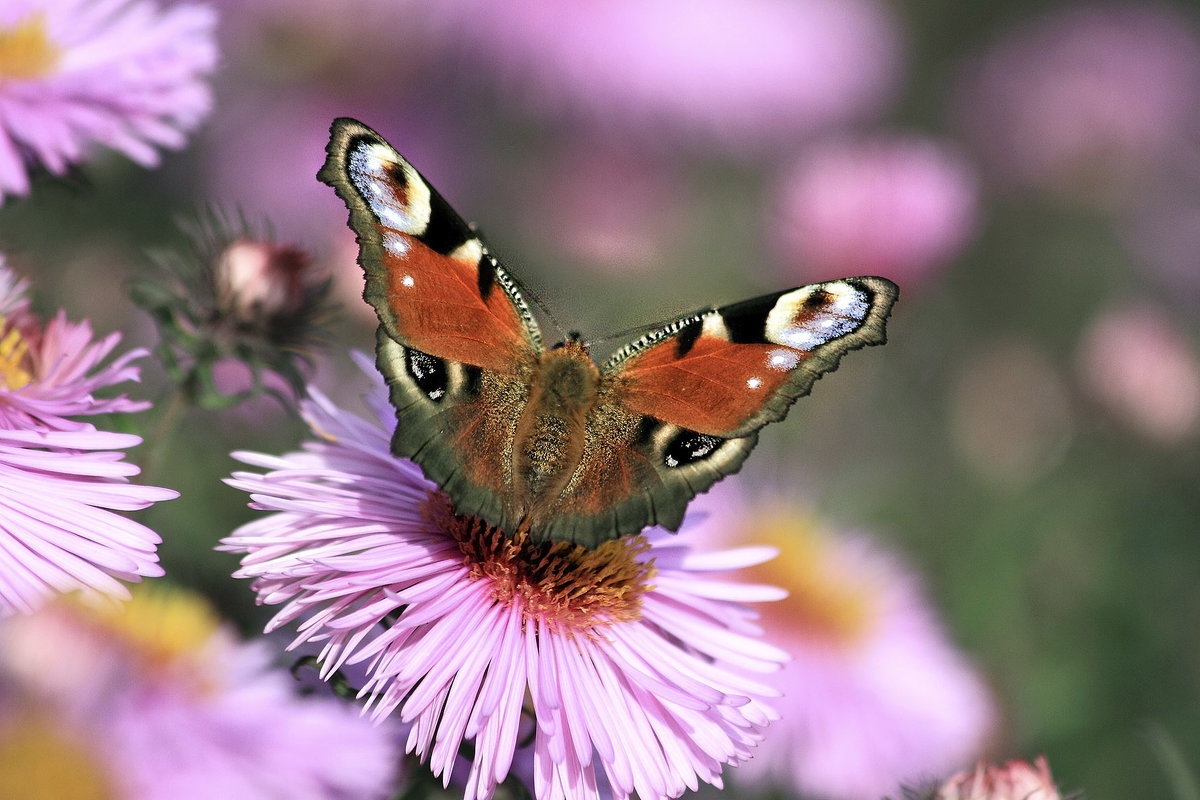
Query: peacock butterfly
523 436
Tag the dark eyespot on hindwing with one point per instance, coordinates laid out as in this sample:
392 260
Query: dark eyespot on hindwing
427 372
688 447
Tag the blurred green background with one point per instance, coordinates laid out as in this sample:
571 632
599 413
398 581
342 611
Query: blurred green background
1028 437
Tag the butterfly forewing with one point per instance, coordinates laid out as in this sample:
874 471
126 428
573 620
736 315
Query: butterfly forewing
456 340
728 371
429 276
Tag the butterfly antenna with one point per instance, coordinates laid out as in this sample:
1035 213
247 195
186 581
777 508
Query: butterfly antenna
534 296
623 336
561 329
626 334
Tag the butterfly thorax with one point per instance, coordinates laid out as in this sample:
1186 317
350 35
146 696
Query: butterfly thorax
550 432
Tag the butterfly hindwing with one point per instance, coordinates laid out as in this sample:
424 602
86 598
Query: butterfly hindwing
637 471
457 422
456 340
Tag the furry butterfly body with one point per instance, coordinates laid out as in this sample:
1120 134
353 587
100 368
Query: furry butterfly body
519 435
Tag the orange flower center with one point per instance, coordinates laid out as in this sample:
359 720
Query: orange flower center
571 588
13 348
26 52
38 760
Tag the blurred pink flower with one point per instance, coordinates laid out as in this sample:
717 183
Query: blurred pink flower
13 292
61 480
875 694
1145 370
746 74
1084 99
897 207
155 700
633 658
1016 780
606 208
76 73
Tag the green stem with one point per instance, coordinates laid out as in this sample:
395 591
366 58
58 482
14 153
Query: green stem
158 437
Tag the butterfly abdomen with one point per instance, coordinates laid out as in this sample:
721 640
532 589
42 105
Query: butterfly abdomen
550 433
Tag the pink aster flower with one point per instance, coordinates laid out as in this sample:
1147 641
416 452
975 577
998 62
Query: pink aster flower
875 695
76 73
1015 780
62 479
746 73
1085 99
13 292
897 207
156 700
636 664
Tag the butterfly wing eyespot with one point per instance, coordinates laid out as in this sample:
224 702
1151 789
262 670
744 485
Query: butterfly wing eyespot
689 447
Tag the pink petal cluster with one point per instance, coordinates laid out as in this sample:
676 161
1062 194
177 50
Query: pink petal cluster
124 74
876 695
166 708
62 479
1086 98
1015 780
652 703
747 73
897 207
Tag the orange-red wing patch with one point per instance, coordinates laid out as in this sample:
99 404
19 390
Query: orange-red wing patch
727 372
436 305
716 388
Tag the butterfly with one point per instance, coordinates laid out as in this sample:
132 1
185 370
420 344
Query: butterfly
522 436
